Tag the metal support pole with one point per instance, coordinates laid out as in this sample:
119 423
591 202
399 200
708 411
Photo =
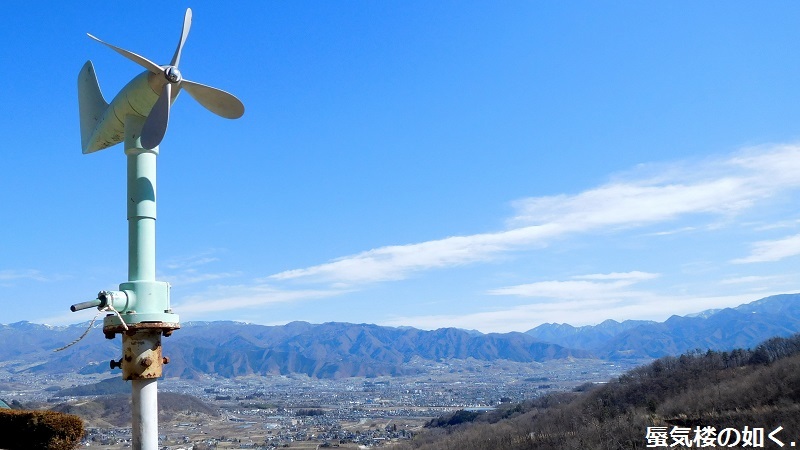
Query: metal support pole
141 204
138 348
144 425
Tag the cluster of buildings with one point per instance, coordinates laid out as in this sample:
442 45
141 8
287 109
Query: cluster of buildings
271 412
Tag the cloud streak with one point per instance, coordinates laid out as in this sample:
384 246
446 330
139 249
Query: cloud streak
579 311
396 262
723 187
228 298
684 197
188 270
770 251
585 286
26 274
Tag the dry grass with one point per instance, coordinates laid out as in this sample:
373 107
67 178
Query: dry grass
39 430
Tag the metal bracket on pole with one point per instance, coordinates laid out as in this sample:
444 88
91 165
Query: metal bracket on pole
142 358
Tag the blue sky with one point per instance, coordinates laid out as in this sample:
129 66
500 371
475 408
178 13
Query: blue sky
483 165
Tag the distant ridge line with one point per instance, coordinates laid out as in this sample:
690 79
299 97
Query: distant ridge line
337 349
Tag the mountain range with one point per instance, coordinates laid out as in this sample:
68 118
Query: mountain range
742 327
336 350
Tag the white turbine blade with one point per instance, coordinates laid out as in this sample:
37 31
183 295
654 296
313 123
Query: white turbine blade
155 126
215 100
187 23
141 60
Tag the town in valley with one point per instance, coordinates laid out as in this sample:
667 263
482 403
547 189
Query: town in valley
297 411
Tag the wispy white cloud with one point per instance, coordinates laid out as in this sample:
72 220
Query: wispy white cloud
769 251
397 261
191 269
25 274
749 279
70 318
632 277
675 231
596 286
183 263
636 203
576 312
699 194
229 298
777 225
192 276
775 167
723 187
198 259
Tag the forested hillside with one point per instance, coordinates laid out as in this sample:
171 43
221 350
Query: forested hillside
740 390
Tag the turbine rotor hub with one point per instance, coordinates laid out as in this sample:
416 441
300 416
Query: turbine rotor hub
172 74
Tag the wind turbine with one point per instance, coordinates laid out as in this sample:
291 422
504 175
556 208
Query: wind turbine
140 310
149 95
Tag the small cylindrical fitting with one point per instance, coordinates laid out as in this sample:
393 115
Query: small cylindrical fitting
115 299
86 305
